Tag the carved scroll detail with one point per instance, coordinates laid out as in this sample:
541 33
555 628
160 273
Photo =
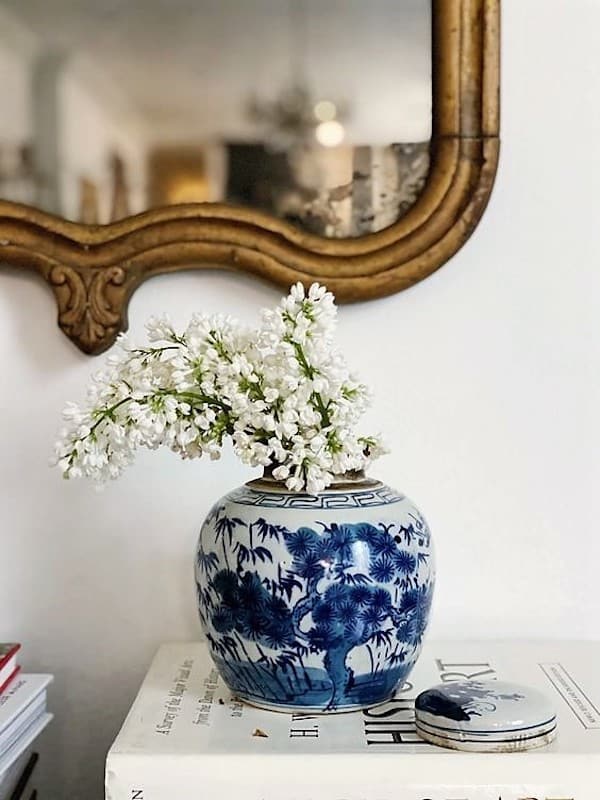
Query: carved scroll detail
91 304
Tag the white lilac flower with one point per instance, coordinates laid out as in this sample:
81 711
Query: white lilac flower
282 393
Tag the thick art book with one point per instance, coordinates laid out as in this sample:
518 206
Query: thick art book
187 737
23 716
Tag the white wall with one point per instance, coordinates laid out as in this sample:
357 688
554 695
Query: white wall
486 378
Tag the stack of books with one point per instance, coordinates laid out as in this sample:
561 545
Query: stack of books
187 737
23 716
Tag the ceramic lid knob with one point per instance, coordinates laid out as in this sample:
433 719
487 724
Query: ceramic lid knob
493 716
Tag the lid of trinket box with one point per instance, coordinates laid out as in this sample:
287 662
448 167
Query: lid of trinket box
485 716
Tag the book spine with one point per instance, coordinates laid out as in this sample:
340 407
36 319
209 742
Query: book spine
230 777
152 791
10 679
19 790
9 653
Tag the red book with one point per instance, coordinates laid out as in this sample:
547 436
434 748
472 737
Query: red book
9 668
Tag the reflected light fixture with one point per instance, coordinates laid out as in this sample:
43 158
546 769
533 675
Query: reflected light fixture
294 117
325 110
330 133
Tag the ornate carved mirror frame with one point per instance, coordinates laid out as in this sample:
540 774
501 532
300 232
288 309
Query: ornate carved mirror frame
94 269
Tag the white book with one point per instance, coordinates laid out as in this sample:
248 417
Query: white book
186 737
12 732
10 778
20 745
24 699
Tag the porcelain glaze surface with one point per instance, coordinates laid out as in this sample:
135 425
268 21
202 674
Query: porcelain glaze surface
314 603
485 716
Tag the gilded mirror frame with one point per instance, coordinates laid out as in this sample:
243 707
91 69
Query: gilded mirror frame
94 269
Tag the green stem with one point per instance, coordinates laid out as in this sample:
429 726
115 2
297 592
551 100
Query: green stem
107 413
217 343
321 408
151 351
300 355
191 396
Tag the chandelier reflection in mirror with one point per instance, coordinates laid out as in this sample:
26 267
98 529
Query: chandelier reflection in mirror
296 118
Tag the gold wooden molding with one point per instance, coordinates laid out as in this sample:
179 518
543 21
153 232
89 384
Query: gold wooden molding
94 269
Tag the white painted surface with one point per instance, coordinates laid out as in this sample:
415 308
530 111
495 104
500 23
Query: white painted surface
93 130
93 122
486 378
14 67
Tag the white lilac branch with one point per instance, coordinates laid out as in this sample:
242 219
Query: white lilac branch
281 392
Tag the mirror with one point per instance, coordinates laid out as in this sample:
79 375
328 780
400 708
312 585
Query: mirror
316 111
335 141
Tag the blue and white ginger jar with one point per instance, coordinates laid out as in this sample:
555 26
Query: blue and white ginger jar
314 603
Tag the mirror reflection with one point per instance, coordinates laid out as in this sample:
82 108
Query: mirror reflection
317 111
